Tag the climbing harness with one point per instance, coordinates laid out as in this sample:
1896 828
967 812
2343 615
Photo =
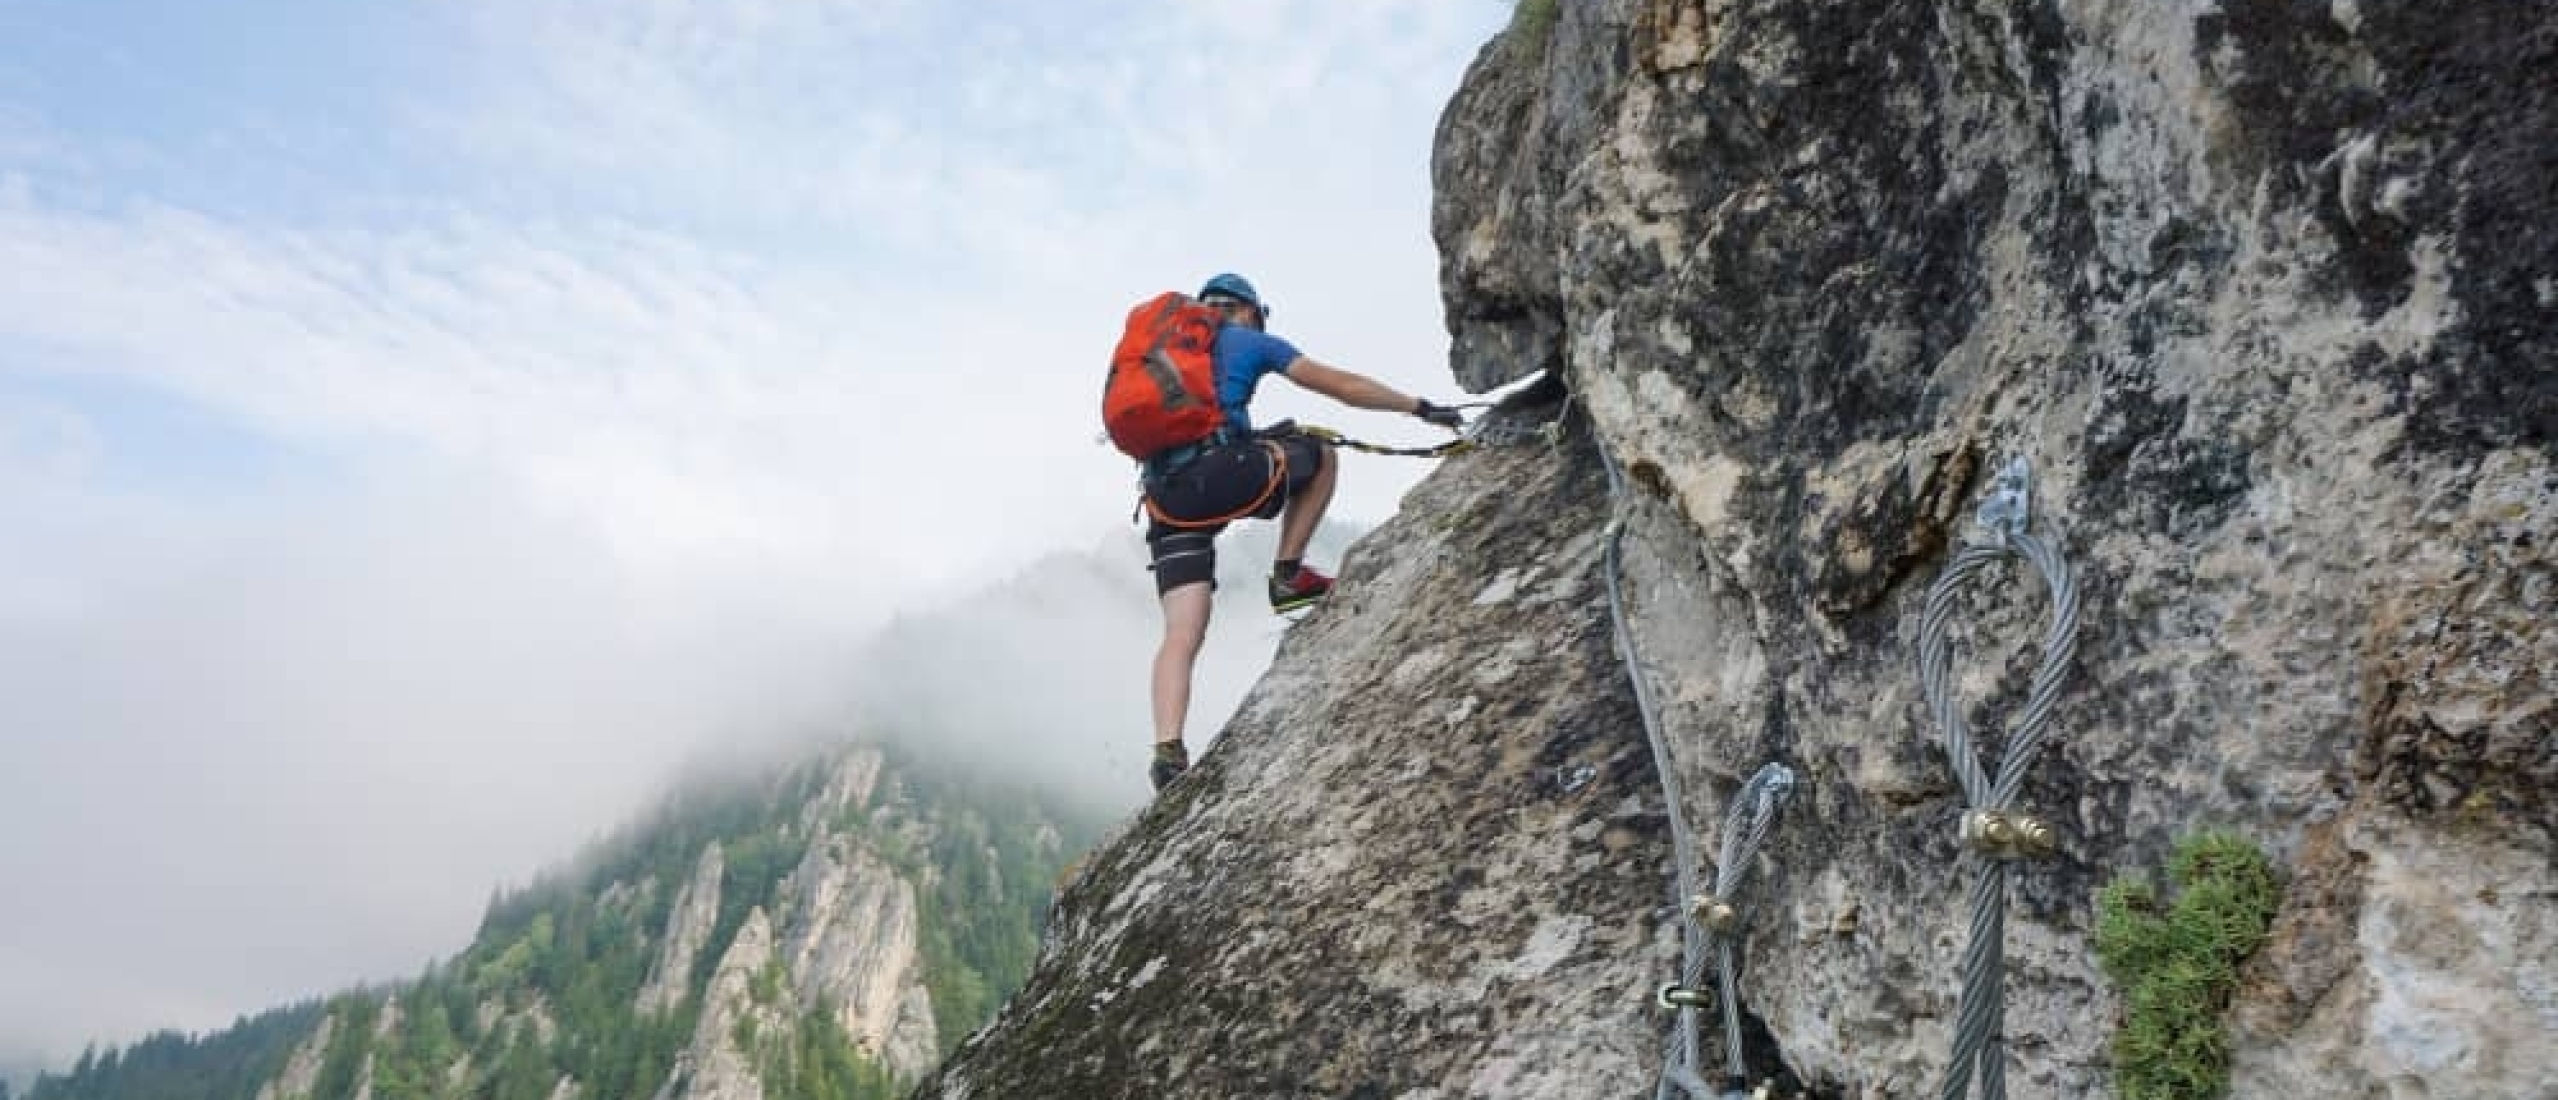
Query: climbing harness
1745 828
1484 432
1278 483
1990 825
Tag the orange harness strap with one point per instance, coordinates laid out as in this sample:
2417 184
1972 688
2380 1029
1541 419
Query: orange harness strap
1278 477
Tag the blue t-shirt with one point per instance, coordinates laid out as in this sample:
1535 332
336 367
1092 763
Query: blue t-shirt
1243 356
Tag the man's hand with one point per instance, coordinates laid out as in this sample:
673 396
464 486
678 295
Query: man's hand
1440 415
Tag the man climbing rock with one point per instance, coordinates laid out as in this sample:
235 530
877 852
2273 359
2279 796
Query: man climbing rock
1194 490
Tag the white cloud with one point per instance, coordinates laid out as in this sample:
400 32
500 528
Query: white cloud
304 758
683 400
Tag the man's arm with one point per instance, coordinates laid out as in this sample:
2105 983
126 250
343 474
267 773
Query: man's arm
1350 388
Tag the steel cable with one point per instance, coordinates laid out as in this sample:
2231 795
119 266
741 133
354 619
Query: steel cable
1980 1019
1745 828
1683 1037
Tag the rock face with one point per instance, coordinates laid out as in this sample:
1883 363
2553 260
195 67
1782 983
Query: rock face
2267 295
850 944
301 1071
848 787
721 1062
383 1025
688 927
842 935
2273 345
1424 859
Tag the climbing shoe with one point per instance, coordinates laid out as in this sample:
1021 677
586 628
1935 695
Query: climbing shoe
1171 759
1301 590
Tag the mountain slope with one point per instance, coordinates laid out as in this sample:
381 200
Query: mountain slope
821 929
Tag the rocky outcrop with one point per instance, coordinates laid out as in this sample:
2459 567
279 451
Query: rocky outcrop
688 928
627 897
2263 292
301 1071
849 940
386 1023
842 936
721 1062
848 788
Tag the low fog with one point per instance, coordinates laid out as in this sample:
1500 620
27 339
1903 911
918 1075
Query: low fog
1044 675
299 750
305 759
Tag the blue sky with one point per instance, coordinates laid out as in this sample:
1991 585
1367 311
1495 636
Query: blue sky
390 388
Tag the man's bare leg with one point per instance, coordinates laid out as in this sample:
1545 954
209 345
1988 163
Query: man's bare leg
1305 510
1186 611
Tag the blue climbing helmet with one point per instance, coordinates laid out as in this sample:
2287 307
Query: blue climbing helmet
1231 285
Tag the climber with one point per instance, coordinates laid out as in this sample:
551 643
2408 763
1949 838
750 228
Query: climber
1193 490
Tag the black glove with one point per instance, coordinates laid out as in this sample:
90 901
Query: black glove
1440 415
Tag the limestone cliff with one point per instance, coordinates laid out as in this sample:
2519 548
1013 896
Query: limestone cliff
721 1064
688 927
2267 294
850 943
302 1069
844 941
810 927
841 936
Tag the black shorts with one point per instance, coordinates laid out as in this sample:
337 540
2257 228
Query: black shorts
1224 483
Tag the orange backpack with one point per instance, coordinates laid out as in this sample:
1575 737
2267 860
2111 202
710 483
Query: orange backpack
1162 390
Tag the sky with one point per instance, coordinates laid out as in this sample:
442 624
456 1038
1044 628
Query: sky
425 425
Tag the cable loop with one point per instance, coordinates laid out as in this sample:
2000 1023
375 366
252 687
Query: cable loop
1989 825
1984 789
1745 829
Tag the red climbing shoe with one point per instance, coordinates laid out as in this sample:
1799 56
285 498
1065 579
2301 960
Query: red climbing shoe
1301 590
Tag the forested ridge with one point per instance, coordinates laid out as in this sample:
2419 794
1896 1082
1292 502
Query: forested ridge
547 994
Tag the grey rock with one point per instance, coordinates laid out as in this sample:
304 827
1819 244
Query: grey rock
1425 855
301 1071
848 789
721 1063
850 941
688 927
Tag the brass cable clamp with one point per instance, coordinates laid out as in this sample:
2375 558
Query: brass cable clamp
1712 913
2006 834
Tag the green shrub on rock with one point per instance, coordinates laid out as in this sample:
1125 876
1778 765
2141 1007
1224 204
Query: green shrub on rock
2176 963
